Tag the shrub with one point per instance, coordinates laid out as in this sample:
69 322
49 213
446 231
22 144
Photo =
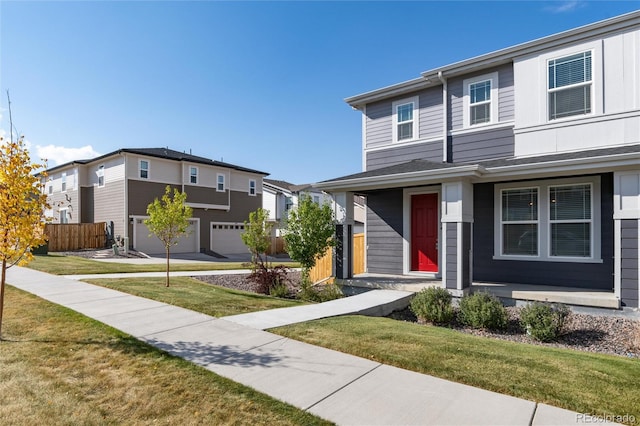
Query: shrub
482 310
544 321
320 292
433 305
265 279
279 290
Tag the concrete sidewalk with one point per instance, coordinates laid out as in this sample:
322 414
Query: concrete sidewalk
342 388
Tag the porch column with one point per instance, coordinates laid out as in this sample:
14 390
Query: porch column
342 263
456 244
626 218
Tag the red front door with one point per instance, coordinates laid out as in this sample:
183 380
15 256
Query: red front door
424 232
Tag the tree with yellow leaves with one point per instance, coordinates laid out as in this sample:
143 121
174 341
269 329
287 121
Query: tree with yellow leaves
22 206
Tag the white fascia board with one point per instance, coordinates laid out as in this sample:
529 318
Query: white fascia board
403 179
359 101
583 165
208 206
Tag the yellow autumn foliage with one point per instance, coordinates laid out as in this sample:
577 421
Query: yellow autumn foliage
22 203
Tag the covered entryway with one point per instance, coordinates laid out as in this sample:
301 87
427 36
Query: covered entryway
226 238
152 245
424 232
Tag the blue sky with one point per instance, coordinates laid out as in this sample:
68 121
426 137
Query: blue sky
258 84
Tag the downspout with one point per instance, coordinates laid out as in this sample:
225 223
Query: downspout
126 196
444 117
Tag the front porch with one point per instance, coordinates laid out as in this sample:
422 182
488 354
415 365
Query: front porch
508 292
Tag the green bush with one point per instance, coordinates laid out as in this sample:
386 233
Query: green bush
544 321
320 292
433 305
279 290
482 310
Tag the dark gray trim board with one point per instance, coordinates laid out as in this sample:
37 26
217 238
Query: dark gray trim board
629 262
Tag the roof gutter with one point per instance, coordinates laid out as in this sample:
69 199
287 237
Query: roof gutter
445 129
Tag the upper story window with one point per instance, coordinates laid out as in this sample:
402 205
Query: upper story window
100 175
405 120
193 175
288 203
569 85
64 182
50 188
144 169
252 187
220 183
316 199
480 101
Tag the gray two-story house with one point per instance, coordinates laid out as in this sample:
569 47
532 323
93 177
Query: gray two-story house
521 166
117 188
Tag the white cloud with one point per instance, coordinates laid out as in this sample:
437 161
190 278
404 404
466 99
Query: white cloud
565 6
56 155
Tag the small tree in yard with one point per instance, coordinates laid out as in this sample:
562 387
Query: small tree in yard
22 206
169 220
308 234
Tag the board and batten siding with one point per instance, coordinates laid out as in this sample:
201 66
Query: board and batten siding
506 97
431 151
629 285
568 274
379 118
384 232
482 145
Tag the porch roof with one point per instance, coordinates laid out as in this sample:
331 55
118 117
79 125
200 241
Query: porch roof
424 172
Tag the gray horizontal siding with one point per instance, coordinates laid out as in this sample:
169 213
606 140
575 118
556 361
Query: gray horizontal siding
583 275
506 100
384 232
629 284
431 151
451 254
466 254
482 145
379 117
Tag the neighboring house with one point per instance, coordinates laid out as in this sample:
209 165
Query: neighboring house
279 197
519 166
118 187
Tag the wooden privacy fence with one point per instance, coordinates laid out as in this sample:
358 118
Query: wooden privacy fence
324 265
75 236
277 246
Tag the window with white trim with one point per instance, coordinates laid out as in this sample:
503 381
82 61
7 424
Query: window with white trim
570 85
220 183
480 100
50 189
551 220
144 169
100 174
64 216
405 120
193 175
570 220
316 199
519 221
252 187
63 179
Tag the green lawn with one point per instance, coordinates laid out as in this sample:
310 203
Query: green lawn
198 296
578 381
67 265
61 368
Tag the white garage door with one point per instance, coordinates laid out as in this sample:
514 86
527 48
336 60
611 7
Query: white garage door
152 245
226 239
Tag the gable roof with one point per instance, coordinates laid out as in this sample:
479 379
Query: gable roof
433 77
281 184
164 153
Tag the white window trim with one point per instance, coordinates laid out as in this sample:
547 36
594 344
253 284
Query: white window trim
63 182
196 175
597 85
255 187
65 211
544 223
416 118
557 89
466 100
224 182
100 174
140 169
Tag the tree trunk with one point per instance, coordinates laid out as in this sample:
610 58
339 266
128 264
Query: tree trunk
167 281
2 280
